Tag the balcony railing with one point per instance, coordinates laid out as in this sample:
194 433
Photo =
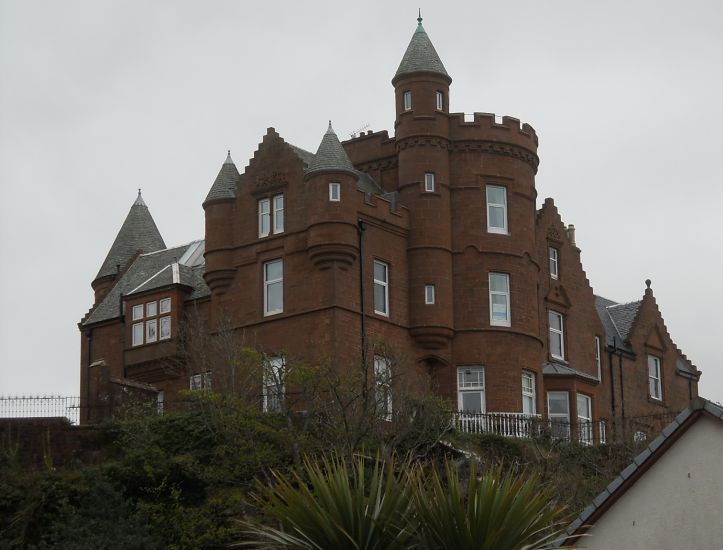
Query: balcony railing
47 406
520 425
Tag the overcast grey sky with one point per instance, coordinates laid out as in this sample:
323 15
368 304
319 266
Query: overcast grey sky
99 98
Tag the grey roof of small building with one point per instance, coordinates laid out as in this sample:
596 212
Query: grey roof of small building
224 186
617 319
137 234
651 452
421 57
331 156
564 370
180 265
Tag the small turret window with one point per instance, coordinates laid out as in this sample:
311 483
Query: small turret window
334 191
429 294
440 101
407 101
429 183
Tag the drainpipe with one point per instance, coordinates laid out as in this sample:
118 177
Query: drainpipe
622 386
89 336
612 378
361 227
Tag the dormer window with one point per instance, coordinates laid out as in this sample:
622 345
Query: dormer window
440 101
407 101
153 324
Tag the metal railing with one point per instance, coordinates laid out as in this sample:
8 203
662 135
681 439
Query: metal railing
46 406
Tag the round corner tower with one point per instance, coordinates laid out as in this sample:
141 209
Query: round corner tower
421 86
470 189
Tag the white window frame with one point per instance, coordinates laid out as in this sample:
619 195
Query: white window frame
506 322
554 332
164 305
200 381
430 294
554 263
383 309
529 394
264 208
271 283
151 309
164 321
383 387
655 380
563 419
334 191
490 205
160 402
439 96
278 202
464 388
584 423
407 99
137 312
274 385
598 358
429 182
151 330
138 332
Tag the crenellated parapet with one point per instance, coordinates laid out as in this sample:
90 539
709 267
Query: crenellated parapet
484 134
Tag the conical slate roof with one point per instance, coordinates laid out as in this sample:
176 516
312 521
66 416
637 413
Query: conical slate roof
225 184
421 57
331 155
137 234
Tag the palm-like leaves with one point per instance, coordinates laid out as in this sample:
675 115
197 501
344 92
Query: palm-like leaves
356 507
337 506
498 512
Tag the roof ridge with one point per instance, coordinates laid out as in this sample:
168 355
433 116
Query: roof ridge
149 279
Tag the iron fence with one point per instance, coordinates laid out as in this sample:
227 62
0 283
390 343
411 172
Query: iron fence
46 406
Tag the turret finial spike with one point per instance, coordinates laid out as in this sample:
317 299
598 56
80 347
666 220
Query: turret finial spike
139 191
419 18
330 130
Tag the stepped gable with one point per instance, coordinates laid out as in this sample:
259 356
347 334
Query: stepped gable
421 57
224 186
151 271
137 234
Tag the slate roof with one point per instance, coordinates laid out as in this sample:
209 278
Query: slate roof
224 187
617 319
303 154
155 270
560 369
421 57
137 234
650 453
331 155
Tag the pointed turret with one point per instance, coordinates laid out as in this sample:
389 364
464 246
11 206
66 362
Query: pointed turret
330 156
224 186
137 234
421 57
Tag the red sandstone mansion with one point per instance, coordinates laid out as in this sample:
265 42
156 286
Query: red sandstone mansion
428 240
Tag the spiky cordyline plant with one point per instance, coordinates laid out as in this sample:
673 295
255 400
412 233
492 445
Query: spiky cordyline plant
500 512
338 506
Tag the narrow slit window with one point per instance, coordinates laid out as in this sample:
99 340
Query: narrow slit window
429 182
334 191
429 294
